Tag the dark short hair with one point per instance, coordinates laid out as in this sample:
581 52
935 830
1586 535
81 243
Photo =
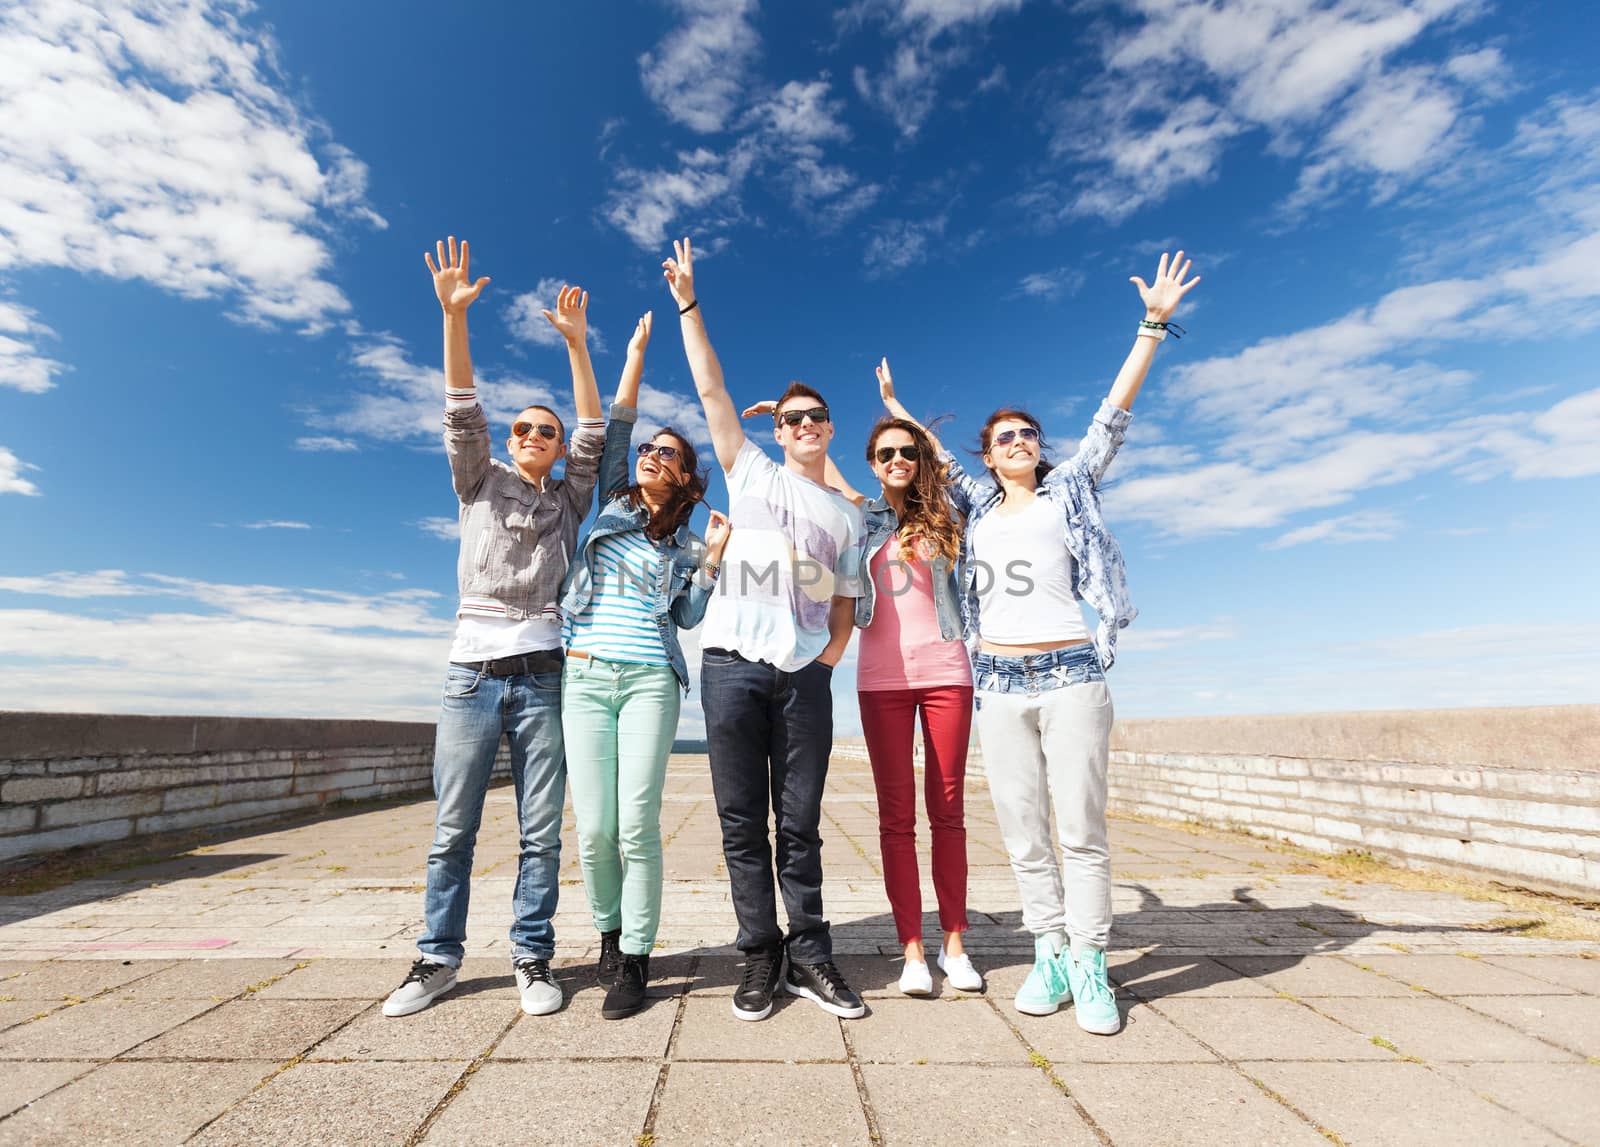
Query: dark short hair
798 390
560 426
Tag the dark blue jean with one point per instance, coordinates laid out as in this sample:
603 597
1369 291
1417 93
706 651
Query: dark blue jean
477 711
769 734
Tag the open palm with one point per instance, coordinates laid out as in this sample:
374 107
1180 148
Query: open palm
452 281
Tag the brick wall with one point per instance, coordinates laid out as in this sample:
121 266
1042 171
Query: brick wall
74 779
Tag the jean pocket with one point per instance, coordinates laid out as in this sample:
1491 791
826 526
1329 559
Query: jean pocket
718 657
461 683
547 682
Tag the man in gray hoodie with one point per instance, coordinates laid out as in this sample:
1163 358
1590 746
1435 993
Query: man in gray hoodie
519 527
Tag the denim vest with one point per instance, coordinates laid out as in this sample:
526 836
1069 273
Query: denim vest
680 596
880 523
1099 575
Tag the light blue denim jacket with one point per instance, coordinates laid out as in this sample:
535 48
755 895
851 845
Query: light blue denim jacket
880 524
681 595
1099 575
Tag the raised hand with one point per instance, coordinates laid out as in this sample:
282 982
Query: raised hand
1161 298
451 282
641 334
766 406
885 382
571 316
679 272
717 535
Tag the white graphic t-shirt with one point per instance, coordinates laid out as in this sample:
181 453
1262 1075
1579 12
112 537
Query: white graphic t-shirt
795 546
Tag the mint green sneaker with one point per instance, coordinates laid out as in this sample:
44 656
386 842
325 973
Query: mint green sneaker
1093 1000
1046 988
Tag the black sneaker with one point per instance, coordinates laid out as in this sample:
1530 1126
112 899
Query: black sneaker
610 952
762 970
824 986
626 994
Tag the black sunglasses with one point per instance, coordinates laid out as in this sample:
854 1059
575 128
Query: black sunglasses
1026 433
668 453
911 452
523 429
795 417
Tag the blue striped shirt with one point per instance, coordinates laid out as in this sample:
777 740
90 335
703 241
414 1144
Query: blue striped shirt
619 624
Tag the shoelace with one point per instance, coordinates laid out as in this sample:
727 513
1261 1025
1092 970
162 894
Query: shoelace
421 970
829 974
1095 986
1053 971
534 970
757 971
630 971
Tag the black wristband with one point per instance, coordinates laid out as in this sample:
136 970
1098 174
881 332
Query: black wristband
685 310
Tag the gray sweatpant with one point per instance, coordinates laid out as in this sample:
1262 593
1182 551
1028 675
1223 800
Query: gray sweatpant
1046 748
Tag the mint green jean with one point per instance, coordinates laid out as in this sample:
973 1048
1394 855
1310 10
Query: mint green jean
618 721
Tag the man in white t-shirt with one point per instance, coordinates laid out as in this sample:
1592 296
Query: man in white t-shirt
776 627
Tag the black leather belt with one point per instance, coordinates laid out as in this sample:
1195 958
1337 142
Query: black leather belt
540 661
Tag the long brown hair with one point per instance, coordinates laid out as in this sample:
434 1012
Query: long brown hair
685 495
928 513
1013 415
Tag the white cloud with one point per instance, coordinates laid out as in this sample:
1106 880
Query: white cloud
663 408
64 583
525 317
1051 285
148 139
445 529
276 524
1143 639
650 205
21 364
1366 526
326 443
697 74
901 243
1193 74
11 479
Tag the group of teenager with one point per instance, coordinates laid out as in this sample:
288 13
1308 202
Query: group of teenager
967 590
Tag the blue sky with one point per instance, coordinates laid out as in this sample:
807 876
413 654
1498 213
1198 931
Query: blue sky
1366 479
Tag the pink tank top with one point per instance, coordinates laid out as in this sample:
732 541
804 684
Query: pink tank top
902 648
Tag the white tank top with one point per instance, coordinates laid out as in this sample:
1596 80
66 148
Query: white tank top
1024 578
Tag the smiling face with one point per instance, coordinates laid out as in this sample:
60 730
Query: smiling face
656 475
899 472
807 442
1017 458
533 453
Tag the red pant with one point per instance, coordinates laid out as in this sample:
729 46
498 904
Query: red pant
888 718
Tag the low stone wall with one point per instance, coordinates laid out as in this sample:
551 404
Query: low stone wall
1509 793
70 779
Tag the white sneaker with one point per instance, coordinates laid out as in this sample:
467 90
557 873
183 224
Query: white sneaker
426 982
540 993
915 979
960 972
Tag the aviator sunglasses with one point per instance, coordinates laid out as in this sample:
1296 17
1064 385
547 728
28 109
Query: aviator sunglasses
523 429
667 453
911 452
795 417
1026 433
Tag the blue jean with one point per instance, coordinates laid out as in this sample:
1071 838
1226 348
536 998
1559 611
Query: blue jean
477 711
769 735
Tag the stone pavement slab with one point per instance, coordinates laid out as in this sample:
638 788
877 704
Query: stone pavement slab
516 1104
757 1104
796 1030
577 1031
1572 1022
1146 1037
1269 1029
1439 1030
1459 976
98 1029
134 1103
275 1030
78 979
206 980
955 1106
1313 976
22 1083
332 979
1383 1103
1183 1103
336 1105
936 1031
1564 1097
1577 974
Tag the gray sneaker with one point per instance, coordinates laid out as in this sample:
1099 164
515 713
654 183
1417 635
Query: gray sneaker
540 993
426 982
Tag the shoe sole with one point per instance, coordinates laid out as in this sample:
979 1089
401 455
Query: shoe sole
834 1009
542 1009
1100 1030
414 1006
620 1013
1036 1009
919 992
751 1017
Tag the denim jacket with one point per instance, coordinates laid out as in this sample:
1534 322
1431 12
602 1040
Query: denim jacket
682 593
881 523
1100 577
516 538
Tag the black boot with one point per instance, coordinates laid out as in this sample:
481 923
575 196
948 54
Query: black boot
626 995
610 952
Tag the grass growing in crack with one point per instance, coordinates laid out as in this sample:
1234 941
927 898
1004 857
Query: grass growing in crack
1379 1041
